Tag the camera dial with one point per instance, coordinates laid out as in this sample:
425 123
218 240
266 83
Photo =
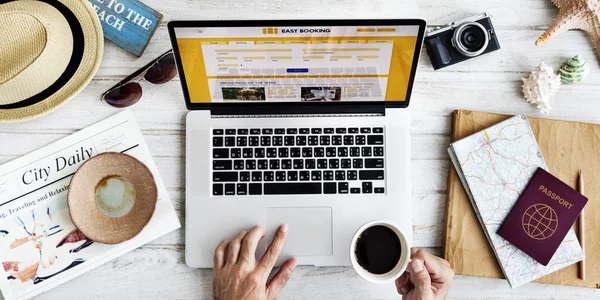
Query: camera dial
470 39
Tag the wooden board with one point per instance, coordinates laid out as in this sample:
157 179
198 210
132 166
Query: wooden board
130 24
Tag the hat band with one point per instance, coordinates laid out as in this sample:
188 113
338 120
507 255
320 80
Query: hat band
75 61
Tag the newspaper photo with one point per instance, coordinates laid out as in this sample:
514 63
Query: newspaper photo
40 248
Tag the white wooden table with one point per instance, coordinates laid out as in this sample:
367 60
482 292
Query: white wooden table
491 83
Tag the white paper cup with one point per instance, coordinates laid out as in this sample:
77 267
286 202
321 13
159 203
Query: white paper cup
400 267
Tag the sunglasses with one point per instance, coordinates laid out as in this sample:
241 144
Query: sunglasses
127 92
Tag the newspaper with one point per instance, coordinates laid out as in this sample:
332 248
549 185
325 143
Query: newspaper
40 248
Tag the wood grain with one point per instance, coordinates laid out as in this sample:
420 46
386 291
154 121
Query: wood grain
490 83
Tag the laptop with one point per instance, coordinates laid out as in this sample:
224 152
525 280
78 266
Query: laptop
302 122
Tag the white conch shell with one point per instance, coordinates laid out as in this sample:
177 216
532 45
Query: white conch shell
540 86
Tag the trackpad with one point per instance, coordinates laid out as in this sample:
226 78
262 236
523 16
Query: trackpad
310 230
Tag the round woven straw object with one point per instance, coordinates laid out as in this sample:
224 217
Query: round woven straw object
104 220
49 52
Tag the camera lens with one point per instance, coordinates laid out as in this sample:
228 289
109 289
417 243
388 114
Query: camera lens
470 39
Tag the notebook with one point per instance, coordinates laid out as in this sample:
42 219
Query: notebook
495 165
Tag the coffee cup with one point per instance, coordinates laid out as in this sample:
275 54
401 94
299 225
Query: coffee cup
379 251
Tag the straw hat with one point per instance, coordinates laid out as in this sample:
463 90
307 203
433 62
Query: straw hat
49 52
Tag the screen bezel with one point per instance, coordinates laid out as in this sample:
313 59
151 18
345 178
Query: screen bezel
286 23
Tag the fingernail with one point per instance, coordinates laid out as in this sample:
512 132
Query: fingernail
294 264
416 266
283 228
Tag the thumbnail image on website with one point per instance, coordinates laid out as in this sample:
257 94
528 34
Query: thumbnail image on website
298 64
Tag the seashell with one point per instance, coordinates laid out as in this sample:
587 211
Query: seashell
575 70
540 86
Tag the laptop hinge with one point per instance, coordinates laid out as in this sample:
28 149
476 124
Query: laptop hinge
300 110
298 116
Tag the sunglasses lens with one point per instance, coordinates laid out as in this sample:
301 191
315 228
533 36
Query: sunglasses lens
162 71
124 96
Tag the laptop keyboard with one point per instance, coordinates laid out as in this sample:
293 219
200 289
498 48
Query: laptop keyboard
288 161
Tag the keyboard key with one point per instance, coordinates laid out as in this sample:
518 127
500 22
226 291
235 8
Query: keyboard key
286 164
269 176
359 140
283 152
378 130
346 163
313 140
277 141
357 163
222 164
230 131
329 188
328 130
348 140
316 131
321 164
250 164
218 187
242 131
355 191
241 189
301 140
217 141
340 175
257 176
292 188
221 153
366 151
334 163
238 164
379 190
340 130
265 141
343 187
236 153
325 140
244 176
352 175
295 152
315 175
259 152
267 131
365 130
225 176
353 130
310 164
280 176
279 131
263 164
298 164
230 141
367 187
377 151
336 140
247 152
253 141
374 163
271 152
292 176
304 131
255 189
375 140
371 175
230 189
342 152
218 132
304 175
307 152
292 131
319 152
354 151
274 164
330 151
255 131
289 141
327 175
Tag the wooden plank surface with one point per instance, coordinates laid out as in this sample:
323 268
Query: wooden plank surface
490 83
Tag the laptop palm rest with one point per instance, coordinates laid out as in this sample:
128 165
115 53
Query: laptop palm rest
310 230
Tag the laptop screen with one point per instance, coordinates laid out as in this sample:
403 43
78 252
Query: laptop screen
297 63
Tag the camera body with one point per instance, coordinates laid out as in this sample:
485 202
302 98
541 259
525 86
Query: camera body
461 40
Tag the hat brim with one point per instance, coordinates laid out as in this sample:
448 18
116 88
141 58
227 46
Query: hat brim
84 62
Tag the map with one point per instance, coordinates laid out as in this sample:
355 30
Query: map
495 165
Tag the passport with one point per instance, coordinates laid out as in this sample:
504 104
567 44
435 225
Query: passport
542 217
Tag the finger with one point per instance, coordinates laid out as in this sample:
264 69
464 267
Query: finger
220 254
420 278
249 245
268 260
436 267
233 251
402 283
280 279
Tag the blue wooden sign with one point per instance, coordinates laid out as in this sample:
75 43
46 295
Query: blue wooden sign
128 23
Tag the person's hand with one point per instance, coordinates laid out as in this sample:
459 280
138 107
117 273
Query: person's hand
238 276
428 277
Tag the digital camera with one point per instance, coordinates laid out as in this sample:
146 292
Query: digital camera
461 40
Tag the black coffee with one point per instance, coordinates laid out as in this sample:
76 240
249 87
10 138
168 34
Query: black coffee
378 250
